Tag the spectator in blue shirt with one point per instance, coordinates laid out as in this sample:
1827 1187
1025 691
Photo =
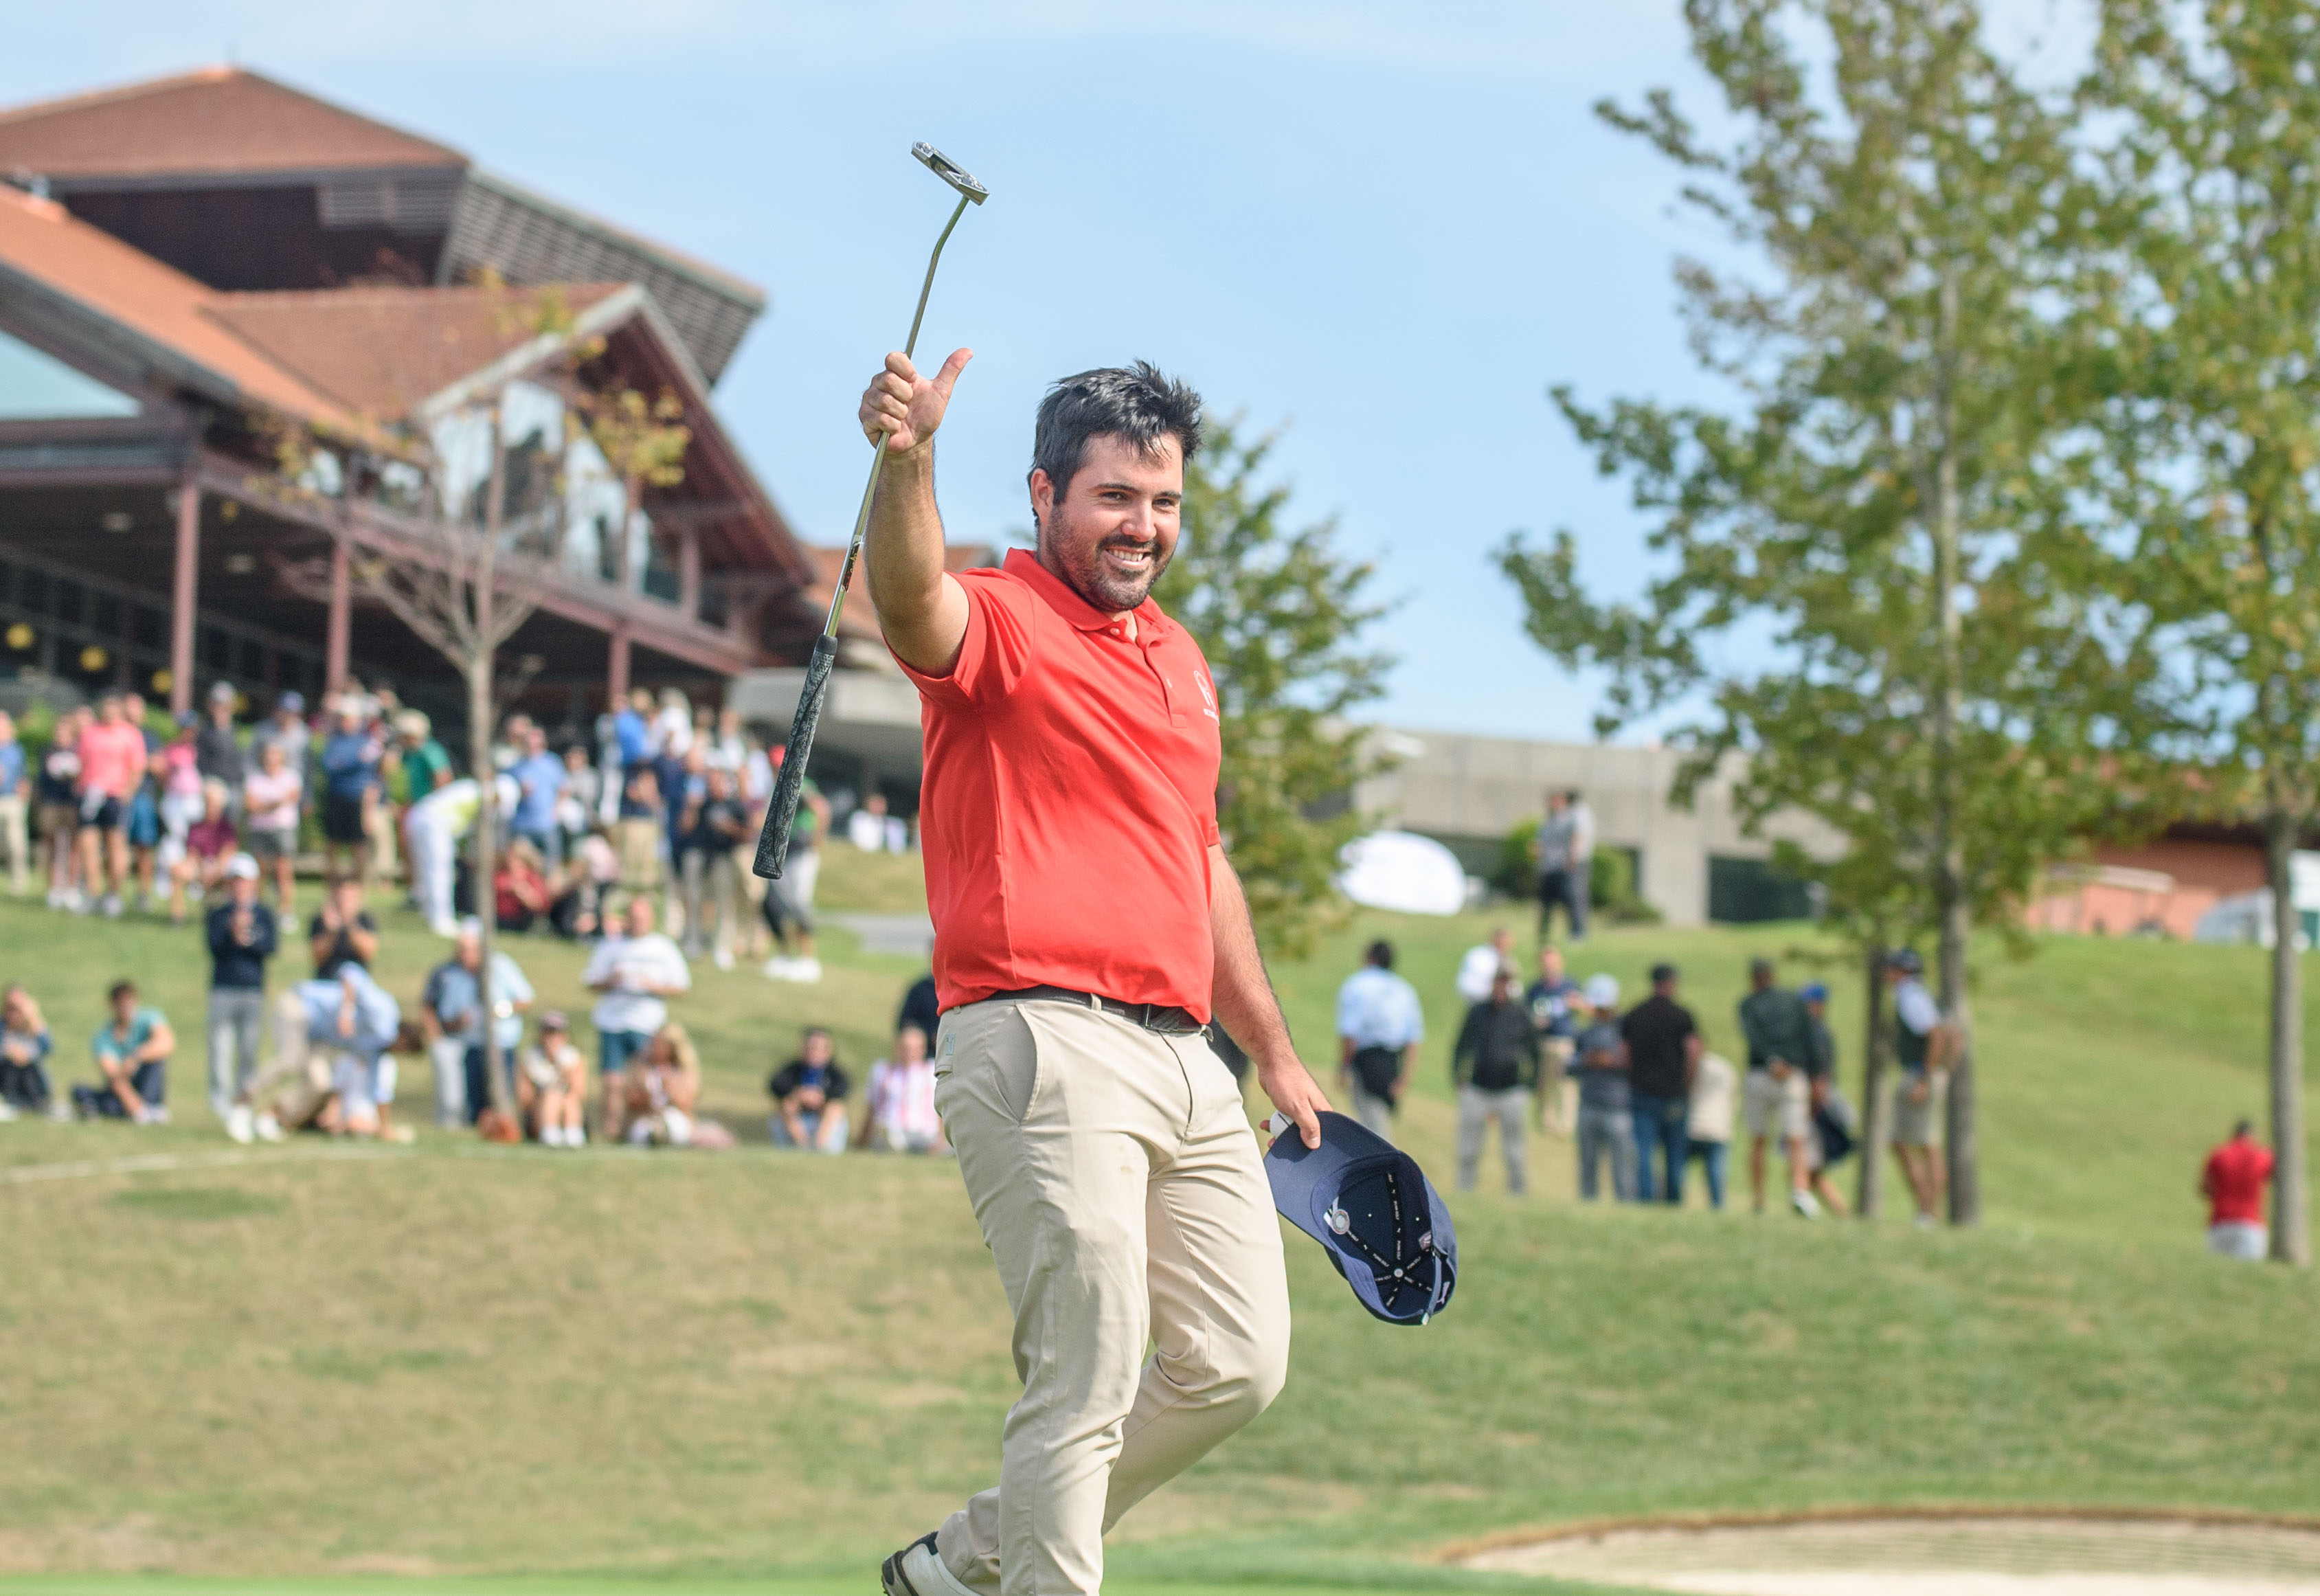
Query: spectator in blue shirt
350 761
539 777
16 792
133 1054
24 1046
1378 1028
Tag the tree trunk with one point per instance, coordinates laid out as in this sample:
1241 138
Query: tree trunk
2291 1236
481 671
1872 1091
1952 911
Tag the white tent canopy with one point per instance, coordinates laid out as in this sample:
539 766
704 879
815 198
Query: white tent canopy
1403 871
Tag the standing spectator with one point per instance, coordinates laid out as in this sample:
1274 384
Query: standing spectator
540 783
1480 965
451 1010
24 1048
56 793
2233 1182
242 934
1555 1006
921 1007
1378 1028
714 826
809 1095
1565 852
1663 1056
673 726
112 761
270 802
1494 1067
636 968
217 749
143 827
576 807
211 844
1922 1045
632 730
1708 1131
15 793
132 1055
662 1094
639 829
285 727
898 1104
350 761
342 932
1777 1099
1605 1130
789 902
552 1087
729 747
1833 1122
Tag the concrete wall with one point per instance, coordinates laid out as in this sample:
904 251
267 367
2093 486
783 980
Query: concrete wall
1473 789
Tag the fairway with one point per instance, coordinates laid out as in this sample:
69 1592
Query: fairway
454 1361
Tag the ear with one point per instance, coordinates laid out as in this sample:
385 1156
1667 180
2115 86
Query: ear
1043 499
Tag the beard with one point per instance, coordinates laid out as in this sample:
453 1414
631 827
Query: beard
1087 571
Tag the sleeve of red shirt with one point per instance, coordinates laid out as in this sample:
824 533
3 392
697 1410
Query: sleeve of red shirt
994 651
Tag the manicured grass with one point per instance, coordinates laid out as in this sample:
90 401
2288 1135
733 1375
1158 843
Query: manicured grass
459 1361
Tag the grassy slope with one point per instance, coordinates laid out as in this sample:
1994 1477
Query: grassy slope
455 1358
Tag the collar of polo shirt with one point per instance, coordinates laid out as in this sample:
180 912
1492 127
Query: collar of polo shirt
1065 601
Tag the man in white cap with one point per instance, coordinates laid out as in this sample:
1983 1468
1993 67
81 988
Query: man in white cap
243 936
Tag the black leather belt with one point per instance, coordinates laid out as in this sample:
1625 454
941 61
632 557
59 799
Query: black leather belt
1162 1018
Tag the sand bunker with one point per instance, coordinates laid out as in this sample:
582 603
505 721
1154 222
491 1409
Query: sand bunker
1936 1556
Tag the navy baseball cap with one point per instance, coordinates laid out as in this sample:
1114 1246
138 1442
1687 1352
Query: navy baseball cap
1374 1211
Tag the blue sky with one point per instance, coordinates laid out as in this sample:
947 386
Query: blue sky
1384 228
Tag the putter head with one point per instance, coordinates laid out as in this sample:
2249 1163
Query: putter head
949 171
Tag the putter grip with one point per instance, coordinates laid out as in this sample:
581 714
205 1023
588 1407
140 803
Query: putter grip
774 842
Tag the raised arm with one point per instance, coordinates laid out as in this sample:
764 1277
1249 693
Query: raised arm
1242 996
922 608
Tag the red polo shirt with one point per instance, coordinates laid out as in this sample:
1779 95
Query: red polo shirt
1069 800
2237 1172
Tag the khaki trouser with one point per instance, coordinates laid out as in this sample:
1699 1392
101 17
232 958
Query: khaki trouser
14 841
1476 1109
1121 1193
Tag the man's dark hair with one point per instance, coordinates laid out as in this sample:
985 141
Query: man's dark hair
1135 402
812 1032
2244 1128
119 990
1380 954
1662 973
1762 969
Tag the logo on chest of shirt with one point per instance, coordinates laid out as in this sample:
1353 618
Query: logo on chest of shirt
1208 695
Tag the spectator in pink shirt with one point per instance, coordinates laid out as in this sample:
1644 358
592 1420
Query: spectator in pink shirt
112 764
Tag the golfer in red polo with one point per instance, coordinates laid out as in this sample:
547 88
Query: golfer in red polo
1087 924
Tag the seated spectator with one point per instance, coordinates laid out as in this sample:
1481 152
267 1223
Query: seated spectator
518 887
809 1095
552 1086
24 1047
898 1109
211 843
270 799
133 1054
342 932
662 1091
579 889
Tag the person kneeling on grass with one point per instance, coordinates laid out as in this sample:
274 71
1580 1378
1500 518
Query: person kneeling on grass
24 1046
552 1087
316 1022
809 1095
898 1114
133 1054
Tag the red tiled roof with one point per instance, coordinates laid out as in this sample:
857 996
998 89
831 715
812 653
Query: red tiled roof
381 351
41 243
222 120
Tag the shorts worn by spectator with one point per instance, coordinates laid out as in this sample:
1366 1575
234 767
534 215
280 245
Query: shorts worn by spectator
809 1095
24 1048
898 1108
132 1051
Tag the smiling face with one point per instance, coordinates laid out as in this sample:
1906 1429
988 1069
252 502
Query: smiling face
1114 527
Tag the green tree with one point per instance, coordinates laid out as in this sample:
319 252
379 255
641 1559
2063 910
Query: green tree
2211 306
1870 584
1279 614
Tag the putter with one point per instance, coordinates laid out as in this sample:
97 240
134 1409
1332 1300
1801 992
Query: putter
774 842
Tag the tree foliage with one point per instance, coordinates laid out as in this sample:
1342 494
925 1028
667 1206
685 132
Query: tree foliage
1871 581
1280 614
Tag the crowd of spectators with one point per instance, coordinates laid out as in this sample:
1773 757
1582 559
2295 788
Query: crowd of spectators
603 840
